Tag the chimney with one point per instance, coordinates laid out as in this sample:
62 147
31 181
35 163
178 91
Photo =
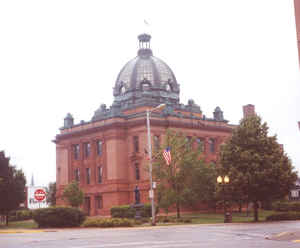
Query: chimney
248 110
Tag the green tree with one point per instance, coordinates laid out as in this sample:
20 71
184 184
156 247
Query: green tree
51 194
255 163
12 187
187 180
73 194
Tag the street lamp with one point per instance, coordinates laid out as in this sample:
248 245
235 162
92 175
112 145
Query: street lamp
151 192
223 181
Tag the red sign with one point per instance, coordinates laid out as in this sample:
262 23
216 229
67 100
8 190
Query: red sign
40 194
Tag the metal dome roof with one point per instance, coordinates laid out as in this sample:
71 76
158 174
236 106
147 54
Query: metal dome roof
145 68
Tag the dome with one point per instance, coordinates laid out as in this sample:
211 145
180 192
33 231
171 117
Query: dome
145 67
144 73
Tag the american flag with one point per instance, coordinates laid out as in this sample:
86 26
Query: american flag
167 155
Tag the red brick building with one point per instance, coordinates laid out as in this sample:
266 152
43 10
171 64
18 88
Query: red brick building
106 154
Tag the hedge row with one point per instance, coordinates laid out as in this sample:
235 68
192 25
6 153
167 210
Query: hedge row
58 217
20 215
108 222
286 206
127 211
173 219
284 216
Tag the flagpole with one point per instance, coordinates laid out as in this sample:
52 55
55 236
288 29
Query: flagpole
151 192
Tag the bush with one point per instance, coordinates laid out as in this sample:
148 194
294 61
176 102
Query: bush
58 217
20 215
108 222
284 216
127 211
124 211
286 206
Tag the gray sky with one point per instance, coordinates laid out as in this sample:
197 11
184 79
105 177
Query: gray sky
64 56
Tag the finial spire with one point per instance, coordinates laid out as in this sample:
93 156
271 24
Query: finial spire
32 181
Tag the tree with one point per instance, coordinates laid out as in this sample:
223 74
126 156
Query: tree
73 194
12 186
255 163
187 180
51 194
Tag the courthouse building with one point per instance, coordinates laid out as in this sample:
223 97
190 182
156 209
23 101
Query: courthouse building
106 154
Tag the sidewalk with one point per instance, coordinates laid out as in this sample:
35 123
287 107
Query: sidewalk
293 236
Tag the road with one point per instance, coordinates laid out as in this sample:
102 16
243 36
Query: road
208 236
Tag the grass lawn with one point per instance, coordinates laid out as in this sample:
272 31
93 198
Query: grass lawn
26 224
212 218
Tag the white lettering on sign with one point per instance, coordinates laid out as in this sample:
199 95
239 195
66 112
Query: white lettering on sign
36 197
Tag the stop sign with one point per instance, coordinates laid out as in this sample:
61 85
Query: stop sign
39 194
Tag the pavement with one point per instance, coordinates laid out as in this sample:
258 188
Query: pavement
249 235
293 236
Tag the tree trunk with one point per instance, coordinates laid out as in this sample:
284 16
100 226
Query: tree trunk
247 210
255 211
6 219
240 206
178 210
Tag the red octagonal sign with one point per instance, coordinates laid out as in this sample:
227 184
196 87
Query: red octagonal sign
39 194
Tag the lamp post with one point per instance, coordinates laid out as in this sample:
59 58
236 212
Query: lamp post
151 192
223 181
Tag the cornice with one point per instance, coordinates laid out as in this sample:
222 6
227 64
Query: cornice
142 122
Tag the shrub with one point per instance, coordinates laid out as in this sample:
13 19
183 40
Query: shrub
284 216
108 222
124 211
286 206
20 215
58 217
127 211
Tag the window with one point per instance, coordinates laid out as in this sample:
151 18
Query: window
88 175
168 88
100 174
200 144
137 172
145 87
212 147
98 202
87 150
156 142
135 143
77 174
99 147
122 90
295 193
188 140
76 151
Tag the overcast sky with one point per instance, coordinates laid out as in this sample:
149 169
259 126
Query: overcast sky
64 56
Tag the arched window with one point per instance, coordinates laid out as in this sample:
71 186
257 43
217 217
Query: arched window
156 142
100 174
168 87
200 144
77 174
212 145
88 175
122 90
145 87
